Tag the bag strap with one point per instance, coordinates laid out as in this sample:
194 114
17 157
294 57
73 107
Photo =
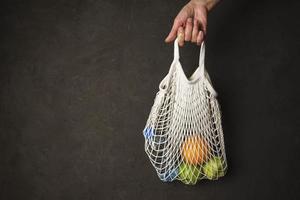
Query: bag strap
201 56
202 59
176 50
199 72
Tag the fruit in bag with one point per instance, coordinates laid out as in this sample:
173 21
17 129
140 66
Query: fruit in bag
213 169
194 150
189 174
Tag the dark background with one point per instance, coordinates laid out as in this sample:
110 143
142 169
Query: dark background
78 79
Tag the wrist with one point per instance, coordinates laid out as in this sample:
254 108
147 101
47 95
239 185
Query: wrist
209 4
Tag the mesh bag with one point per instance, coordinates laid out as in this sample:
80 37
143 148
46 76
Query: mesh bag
183 134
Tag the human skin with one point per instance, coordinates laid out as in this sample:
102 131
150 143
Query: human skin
191 22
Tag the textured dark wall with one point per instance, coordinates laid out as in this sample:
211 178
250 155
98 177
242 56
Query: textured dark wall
78 78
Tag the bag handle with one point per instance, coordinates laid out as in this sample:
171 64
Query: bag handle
198 73
201 56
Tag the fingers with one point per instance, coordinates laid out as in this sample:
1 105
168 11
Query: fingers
200 38
195 31
191 33
173 33
188 29
180 36
190 24
200 24
201 17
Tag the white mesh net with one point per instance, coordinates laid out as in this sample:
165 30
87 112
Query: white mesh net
183 134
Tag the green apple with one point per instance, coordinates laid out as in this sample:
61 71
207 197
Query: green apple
189 174
213 169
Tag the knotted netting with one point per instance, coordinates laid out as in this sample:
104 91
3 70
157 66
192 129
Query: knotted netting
183 134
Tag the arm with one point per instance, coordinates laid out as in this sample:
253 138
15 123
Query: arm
190 23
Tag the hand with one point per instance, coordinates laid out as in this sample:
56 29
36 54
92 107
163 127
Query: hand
190 23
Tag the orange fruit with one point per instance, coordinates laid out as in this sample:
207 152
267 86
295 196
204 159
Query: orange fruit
194 150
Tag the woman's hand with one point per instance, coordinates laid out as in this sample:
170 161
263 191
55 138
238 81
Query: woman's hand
190 23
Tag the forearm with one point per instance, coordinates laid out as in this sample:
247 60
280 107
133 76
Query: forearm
209 4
